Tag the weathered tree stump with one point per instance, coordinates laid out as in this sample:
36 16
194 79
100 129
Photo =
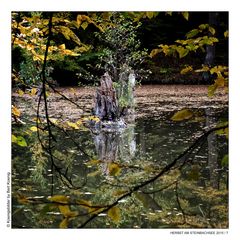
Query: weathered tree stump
106 105
113 102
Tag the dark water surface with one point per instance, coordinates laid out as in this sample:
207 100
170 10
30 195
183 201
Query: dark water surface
89 171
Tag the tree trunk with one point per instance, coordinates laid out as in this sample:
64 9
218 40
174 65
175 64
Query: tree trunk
210 49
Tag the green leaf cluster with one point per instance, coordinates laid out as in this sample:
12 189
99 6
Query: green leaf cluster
19 140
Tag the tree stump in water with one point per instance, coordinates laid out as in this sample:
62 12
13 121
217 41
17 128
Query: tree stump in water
106 105
111 103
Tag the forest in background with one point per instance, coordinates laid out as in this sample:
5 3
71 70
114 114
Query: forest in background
79 46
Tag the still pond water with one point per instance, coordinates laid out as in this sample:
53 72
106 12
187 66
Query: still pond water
89 171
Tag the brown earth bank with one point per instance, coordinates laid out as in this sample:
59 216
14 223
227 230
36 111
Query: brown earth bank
151 100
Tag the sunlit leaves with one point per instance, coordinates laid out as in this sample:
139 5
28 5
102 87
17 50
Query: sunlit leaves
185 15
68 34
150 15
154 52
15 111
33 91
19 140
218 70
80 123
221 81
181 115
186 69
164 48
182 51
62 47
201 28
72 125
32 32
226 34
84 25
183 47
83 21
33 129
20 92
94 118
114 214
203 69
192 33
212 30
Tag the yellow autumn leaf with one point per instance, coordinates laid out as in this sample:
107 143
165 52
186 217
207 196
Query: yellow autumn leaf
64 223
165 48
184 114
93 118
114 214
79 122
84 25
226 34
66 211
220 82
203 69
150 15
33 91
114 169
186 70
20 92
15 111
154 52
33 129
211 30
185 15
73 125
62 47
59 198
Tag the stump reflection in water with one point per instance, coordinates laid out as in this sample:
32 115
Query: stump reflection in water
114 145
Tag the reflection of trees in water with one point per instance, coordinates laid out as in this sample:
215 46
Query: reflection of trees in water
213 162
151 192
